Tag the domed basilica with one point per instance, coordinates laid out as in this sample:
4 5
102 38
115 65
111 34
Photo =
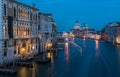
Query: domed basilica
77 30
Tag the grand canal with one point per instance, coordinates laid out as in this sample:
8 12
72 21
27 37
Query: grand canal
84 58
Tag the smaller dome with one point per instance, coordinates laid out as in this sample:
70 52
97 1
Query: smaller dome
85 26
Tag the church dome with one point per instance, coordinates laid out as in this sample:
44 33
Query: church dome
77 25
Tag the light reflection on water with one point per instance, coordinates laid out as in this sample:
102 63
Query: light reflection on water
105 63
66 51
28 72
118 48
52 60
97 47
84 44
23 72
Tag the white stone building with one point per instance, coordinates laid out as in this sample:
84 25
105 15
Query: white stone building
47 29
18 30
112 32
77 30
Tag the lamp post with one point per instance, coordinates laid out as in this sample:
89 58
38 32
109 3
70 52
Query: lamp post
118 40
23 52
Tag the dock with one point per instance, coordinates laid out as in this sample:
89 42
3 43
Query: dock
27 64
43 61
59 49
7 71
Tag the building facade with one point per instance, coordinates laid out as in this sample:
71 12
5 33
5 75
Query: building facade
18 30
47 31
84 32
77 31
112 32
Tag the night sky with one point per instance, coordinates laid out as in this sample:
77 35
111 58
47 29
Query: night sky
96 13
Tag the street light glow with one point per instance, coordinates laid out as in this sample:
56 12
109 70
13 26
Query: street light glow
33 47
118 40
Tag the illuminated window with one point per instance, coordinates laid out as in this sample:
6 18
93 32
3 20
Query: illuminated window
14 29
4 30
24 33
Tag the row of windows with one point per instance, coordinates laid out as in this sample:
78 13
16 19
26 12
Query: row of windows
19 51
15 43
21 32
24 32
23 14
30 48
5 10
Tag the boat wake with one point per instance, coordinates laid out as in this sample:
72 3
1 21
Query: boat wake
76 45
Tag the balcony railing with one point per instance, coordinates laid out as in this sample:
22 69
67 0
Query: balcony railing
22 36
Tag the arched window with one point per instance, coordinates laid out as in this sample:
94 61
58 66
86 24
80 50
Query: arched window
4 9
28 31
31 16
28 14
18 12
14 12
4 30
36 17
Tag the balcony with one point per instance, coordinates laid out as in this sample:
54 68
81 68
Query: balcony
22 36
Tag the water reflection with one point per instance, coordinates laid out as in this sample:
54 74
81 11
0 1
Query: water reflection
66 51
23 72
28 72
84 44
52 60
34 70
97 47
118 48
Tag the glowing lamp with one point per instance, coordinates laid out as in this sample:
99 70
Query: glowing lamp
118 40
23 49
23 52
66 39
33 47
48 55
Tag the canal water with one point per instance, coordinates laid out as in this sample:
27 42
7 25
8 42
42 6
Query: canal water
81 58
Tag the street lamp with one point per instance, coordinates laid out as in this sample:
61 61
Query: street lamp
48 45
118 40
33 47
23 53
